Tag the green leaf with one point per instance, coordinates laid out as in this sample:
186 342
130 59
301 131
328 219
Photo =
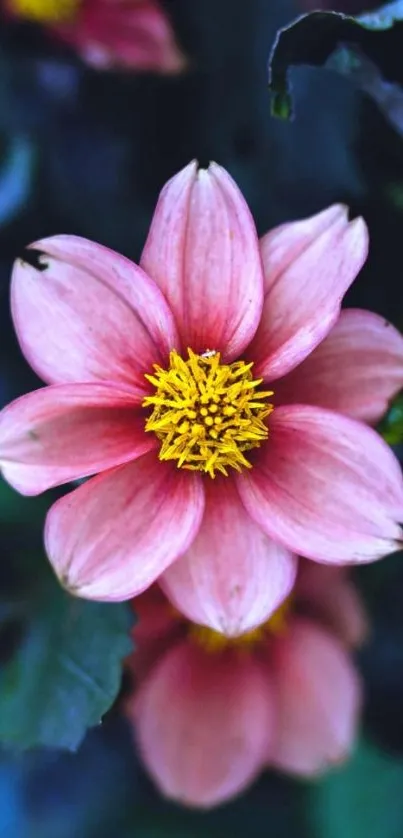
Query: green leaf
274 805
391 427
383 18
313 37
15 508
16 175
362 800
66 672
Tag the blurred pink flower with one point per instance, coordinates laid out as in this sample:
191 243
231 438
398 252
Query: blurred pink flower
127 398
208 713
132 34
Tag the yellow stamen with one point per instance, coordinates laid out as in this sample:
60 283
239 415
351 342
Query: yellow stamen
206 414
45 11
215 642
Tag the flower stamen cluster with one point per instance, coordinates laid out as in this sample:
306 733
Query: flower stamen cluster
45 11
206 413
215 642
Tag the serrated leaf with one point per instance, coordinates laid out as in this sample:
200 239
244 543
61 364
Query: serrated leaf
312 38
66 672
361 800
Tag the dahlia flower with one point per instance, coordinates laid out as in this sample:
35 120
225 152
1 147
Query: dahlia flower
219 397
209 712
132 34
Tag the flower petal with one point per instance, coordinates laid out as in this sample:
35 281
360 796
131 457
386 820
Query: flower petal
157 626
356 370
326 486
89 314
68 431
318 699
155 617
121 34
203 252
233 576
308 266
203 724
114 535
329 595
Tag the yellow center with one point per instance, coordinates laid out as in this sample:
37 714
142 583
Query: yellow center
215 642
45 11
206 413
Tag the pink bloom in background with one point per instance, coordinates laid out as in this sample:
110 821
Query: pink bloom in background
132 34
203 387
209 714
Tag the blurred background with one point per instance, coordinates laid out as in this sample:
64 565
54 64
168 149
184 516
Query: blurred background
85 149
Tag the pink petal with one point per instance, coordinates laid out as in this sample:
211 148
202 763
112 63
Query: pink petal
68 431
318 700
157 626
89 315
203 252
356 370
308 265
203 724
232 577
155 616
114 535
135 35
326 486
328 594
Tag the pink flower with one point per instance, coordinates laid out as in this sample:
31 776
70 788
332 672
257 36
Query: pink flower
159 421
209 714
134 34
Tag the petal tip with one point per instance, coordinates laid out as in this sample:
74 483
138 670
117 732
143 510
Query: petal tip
337 211
190 171
360 234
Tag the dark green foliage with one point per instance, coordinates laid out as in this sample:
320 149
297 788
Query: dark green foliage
61 656
361 800
66 672
312 38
